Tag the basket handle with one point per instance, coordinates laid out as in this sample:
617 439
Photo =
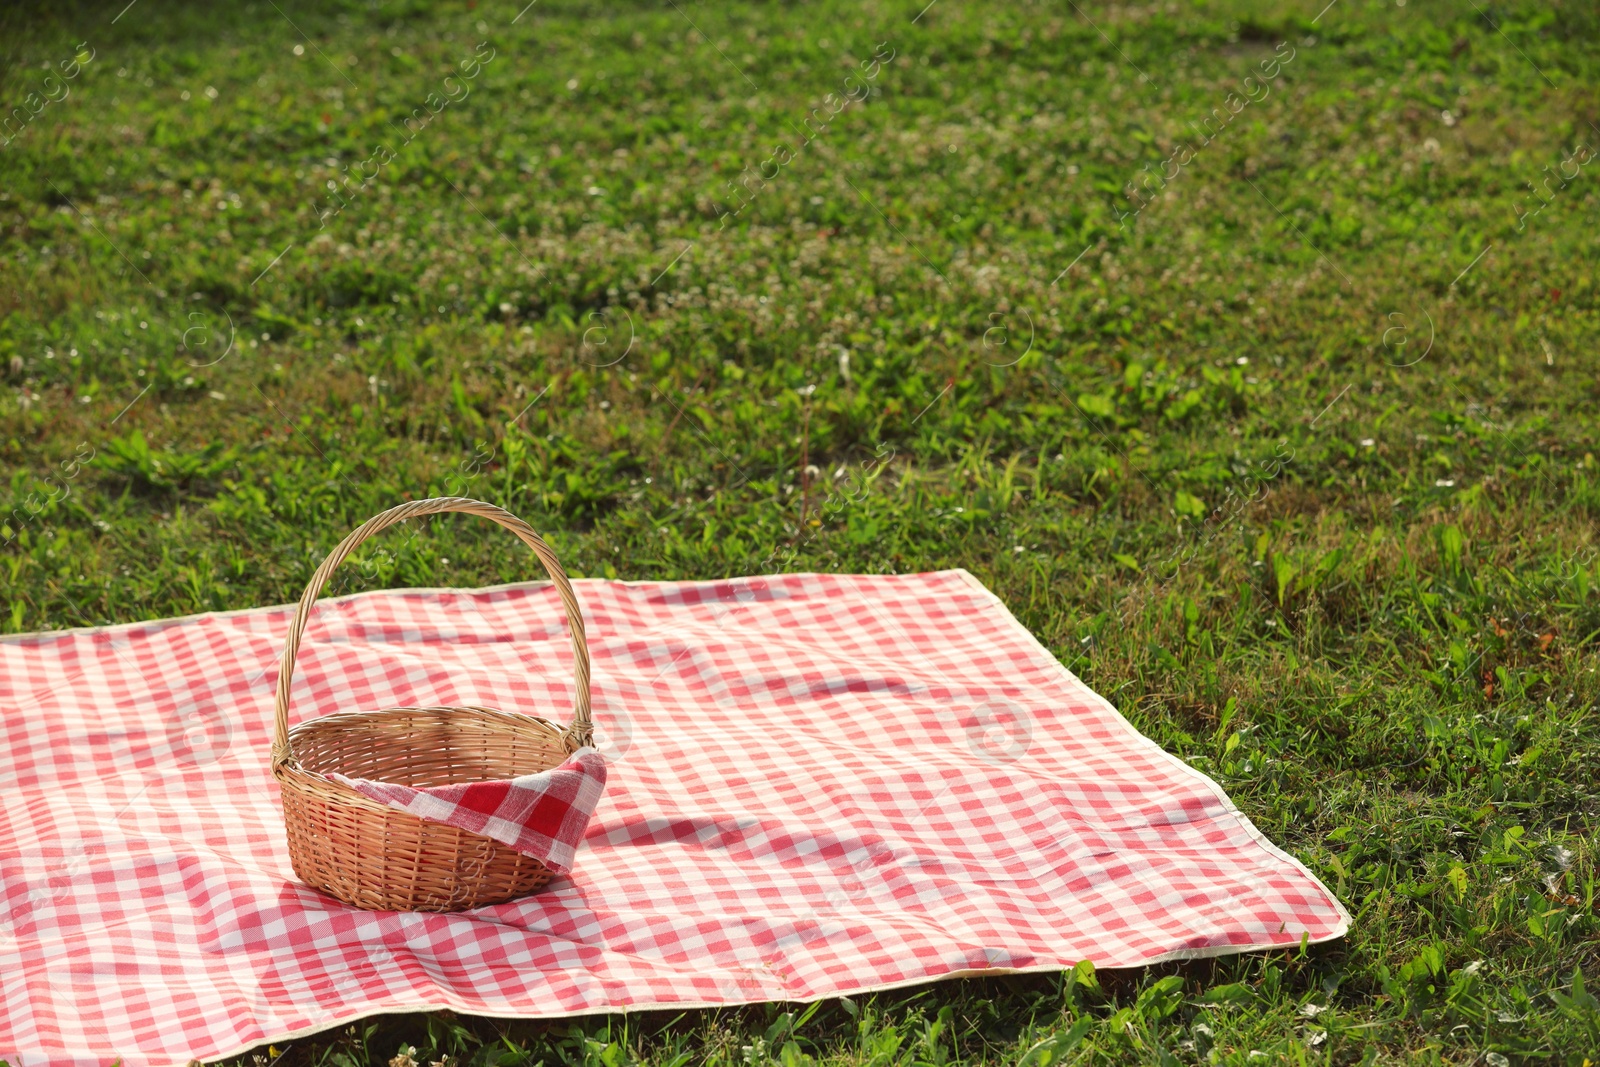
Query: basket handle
580 733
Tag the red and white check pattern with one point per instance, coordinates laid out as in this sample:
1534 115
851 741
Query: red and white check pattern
819 785
543 815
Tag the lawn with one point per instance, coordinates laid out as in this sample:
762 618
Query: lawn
1249 353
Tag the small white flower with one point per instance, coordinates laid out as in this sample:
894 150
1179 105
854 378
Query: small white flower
211 92
299 49
1444 483
1367 442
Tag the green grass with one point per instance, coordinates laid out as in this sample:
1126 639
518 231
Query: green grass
1291 458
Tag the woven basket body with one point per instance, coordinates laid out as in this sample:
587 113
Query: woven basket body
374 856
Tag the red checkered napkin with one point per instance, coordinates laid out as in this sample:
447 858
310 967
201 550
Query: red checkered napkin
543 815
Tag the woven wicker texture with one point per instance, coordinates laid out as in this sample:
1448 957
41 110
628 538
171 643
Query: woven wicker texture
373 856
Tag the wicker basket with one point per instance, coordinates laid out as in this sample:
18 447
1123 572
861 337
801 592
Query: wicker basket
374 856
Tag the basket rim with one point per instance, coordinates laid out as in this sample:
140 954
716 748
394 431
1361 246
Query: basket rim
338 718
290 771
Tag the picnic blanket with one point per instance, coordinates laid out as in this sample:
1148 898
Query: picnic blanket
818 785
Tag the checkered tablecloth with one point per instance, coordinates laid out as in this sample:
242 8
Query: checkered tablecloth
819 785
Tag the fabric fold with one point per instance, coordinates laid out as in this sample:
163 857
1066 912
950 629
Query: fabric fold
542 815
